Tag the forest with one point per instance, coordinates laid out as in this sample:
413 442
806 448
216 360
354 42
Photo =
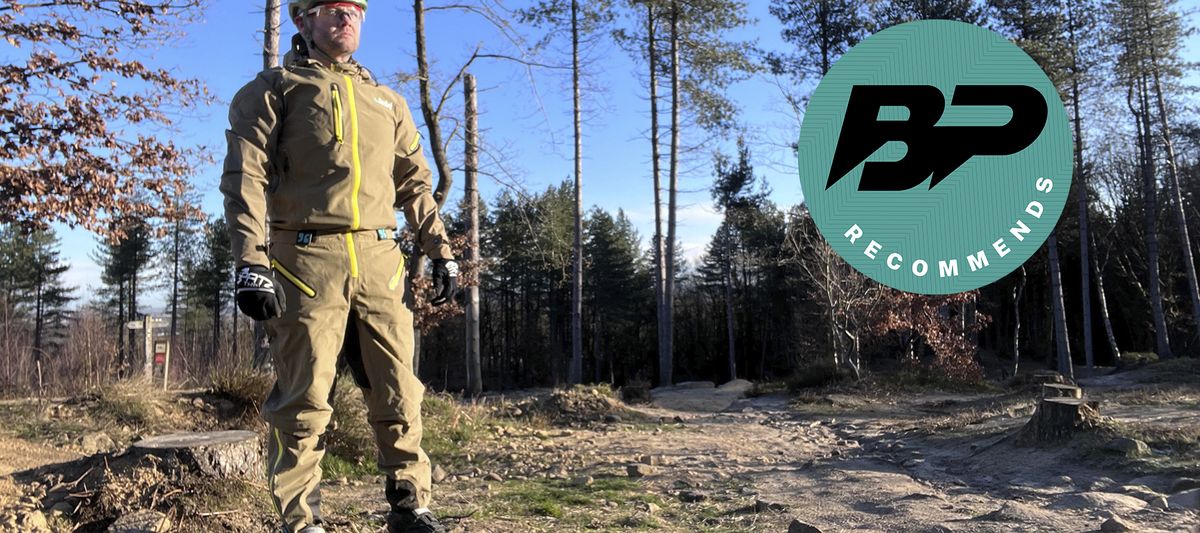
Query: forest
569 294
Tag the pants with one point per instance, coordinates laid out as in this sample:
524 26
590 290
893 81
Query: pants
334 283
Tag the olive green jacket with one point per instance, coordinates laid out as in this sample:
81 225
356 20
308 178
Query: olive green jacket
327 149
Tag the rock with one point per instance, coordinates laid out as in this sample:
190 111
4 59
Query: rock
1128 447
650 507
762 506
695 385
1115 525
1062 480
438 474
912 463
542 434
652 460
1184 483
800 527
492 476
1188 499
1159 503
738 385
639 470
1019 513
96 442
141 522
583 481
1110 501
1140 492
689 496
611 419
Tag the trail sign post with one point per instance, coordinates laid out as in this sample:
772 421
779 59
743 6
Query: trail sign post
156 347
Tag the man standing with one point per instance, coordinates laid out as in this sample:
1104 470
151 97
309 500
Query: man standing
326 155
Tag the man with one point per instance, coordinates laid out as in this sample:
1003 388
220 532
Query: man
324 155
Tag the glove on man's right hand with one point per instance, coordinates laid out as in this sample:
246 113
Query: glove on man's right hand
258 296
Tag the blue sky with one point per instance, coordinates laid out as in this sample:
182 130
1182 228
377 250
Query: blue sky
526 116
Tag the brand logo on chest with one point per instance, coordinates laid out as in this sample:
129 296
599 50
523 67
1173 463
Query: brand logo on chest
383 102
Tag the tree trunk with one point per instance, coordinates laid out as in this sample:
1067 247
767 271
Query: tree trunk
1017 292
1057 419
1063 347
1150 192
471 154
1104 317
219 454
1081 184
122 353
669 289
575 373
665 363
271 34
1185 243
729 326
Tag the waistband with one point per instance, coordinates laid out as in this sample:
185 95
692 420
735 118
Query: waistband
306 237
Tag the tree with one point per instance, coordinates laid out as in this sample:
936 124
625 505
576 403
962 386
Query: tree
79 143
50 299
1040 28
33 287
123 261
615 288
1133 71
892 12
583 25
702 63
734 194
210 278
821 31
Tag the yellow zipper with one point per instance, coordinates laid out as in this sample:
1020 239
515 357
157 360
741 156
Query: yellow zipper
304 288
337 114
398 275
356 169
353 256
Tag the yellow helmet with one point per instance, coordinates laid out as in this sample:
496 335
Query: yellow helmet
296 7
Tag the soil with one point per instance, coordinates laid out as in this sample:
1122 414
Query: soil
701 459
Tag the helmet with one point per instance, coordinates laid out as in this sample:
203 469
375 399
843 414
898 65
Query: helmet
296 7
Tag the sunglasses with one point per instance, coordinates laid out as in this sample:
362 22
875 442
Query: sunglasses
352 12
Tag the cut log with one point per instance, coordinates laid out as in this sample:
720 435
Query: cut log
1058 419
213 453
1058 390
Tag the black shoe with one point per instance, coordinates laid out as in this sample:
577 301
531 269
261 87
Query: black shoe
414 521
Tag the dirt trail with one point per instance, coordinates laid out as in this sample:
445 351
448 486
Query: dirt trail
705 459
759 464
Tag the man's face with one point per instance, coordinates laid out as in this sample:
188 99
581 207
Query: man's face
336 28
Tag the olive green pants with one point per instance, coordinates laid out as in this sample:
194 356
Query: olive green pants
334 284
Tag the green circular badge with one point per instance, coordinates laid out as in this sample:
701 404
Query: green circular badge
935 157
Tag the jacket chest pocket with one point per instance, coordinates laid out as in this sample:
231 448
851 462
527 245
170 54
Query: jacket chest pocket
310 123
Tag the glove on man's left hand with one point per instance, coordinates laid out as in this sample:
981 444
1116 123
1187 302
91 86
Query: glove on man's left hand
445 280
258 296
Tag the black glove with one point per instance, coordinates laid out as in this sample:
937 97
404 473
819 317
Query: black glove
258 296
445 280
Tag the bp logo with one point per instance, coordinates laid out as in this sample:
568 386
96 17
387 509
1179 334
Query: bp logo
935 157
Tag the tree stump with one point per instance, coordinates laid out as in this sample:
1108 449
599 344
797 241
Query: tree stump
1058 419
1059 390
213 453
1046 376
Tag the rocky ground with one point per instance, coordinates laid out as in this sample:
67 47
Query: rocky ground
736 458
